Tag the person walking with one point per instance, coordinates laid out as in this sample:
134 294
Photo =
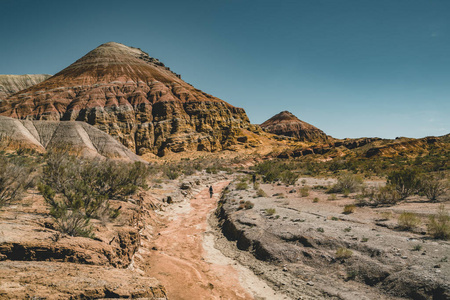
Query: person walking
211 192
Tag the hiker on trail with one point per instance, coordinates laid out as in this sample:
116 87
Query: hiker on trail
211 192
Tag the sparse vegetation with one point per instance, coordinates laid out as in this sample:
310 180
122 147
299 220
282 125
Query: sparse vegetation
343 253
348 209
439 224
241 186
417 247
304 191
408 221
79 189
406 182
261 193
315 200
270 211
346 184
433 187
16 175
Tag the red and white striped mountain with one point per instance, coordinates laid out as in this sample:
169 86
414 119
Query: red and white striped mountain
285 123
134 97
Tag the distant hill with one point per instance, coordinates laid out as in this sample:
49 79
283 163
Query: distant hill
287 124
11 84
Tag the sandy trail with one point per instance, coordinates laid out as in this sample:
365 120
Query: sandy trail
179 261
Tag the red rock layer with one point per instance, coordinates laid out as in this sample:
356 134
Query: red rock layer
134 97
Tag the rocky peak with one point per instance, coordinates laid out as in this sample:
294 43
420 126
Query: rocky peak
134 97
287 124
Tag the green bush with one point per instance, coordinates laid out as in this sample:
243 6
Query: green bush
348 209
406 182
347 183
304 191
408 221
261 193
270 211
79 189
343 253
16 175
433 187
439 224
241 186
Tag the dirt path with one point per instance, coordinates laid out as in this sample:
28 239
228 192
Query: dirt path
180 262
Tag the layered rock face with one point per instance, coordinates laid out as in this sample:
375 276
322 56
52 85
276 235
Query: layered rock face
11 84
285 123
41 135
134 97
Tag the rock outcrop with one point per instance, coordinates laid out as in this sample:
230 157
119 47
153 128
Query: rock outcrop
285 123
81 137
11 84
134 97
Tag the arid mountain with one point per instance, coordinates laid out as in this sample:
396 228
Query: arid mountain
82 137
285 123
11 84
134 97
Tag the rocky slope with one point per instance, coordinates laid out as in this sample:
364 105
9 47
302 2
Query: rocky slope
11 84
134 97
285 123
41 135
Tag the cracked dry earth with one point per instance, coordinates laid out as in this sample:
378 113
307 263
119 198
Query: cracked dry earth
182 257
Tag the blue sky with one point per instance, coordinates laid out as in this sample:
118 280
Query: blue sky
353 68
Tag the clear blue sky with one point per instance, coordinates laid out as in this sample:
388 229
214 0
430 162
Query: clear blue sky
350 67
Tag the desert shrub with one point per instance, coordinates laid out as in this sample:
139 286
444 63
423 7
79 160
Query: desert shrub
386 215
248 205
270 211
332 197
432 187
261 193
304 191
343 253
406 182
171 173
408 221
277 171
315 200
320 229
386 195
439 224
16 175
348 209
241 186
346 183
78 189
417 247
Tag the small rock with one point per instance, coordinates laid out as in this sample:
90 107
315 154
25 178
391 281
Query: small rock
404 257
437 266
310 283
285 269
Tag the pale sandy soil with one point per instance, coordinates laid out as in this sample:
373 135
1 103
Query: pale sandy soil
182 255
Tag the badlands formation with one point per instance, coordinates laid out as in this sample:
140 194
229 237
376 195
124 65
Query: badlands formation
11 84
128 94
